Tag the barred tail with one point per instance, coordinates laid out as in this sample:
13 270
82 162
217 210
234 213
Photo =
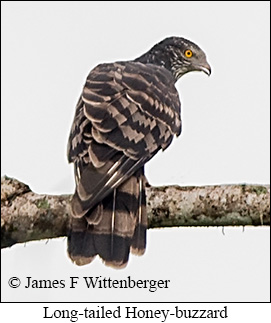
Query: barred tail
122 226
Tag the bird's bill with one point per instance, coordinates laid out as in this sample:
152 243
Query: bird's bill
206 68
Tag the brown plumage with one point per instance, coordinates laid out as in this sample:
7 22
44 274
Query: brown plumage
127 112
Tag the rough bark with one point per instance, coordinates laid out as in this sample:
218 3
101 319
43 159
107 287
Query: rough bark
29 216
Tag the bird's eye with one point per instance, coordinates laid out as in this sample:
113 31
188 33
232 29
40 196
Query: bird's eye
188 53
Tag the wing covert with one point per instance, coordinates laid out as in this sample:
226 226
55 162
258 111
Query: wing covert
142 112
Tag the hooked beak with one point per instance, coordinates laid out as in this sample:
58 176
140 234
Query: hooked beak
206 68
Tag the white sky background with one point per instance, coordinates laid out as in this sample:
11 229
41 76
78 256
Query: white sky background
48 50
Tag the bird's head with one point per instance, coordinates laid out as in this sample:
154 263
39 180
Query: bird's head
179 56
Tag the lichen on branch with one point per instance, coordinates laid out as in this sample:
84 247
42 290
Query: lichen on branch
27 216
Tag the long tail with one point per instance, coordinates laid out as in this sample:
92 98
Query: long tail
122 226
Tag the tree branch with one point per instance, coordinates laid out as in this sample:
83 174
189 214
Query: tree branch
28 216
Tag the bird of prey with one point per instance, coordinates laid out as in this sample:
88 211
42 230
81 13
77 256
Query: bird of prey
127 112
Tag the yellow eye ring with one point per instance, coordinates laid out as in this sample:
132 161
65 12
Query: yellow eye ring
188 53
